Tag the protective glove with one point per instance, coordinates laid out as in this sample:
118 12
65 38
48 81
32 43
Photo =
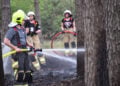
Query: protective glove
63 31
75 34
30 49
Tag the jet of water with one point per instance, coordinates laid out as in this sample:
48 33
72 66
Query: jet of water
49 52
79 49
64 58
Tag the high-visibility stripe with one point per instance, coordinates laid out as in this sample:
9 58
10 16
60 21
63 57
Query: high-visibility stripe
36 64
15 72
42 60
15 64
22 85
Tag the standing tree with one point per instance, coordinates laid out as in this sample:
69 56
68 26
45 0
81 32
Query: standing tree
79 5
0 14
5 16
1 62
95 44
37 11
1 65
113 40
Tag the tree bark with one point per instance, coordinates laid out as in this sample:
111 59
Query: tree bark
96 73
0 15
37 11
79 5
113 40
1 65
5 16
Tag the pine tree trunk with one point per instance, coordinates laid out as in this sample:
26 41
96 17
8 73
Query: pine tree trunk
1 65
95 44
1 62
37 13
0 15
79 5
5 16
113 41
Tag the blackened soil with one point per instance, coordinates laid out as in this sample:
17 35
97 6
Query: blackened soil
55 73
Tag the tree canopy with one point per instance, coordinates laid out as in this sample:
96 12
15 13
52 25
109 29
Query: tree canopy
51 12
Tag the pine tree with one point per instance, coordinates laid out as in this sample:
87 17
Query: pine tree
5 16
113 40
96 72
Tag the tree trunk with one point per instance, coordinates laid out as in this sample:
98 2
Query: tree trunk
5 16
37 13
79 5
95 44
1 65
0 15
113 40
1 62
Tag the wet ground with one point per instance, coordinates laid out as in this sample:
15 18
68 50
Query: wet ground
57 72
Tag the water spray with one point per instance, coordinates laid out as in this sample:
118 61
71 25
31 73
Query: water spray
44 50
75 49
49 52
64 58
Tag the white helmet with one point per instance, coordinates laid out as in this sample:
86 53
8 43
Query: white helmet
67 11
31 13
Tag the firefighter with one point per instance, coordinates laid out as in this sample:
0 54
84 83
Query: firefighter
68 24
15 38
33 30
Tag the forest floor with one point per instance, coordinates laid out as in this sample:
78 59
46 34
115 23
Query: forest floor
57 72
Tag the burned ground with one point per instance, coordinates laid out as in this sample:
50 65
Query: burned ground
56 72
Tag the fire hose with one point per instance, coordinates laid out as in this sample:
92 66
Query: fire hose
59 33
14 51
26 50
40 60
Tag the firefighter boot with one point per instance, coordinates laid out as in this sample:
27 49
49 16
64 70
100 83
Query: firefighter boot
20 77
73 45
28 77
66 45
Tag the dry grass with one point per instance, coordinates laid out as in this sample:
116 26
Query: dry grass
56 44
